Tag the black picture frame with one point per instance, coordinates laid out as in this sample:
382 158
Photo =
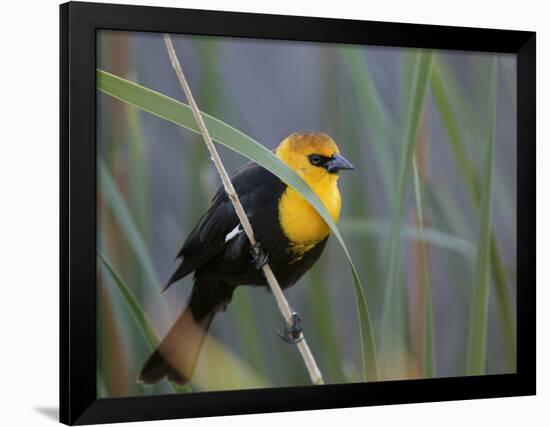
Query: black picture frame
78 25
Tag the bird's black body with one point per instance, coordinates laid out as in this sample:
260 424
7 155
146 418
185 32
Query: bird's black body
208 254
219 254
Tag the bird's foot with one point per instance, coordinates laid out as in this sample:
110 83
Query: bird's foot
257 256
293 333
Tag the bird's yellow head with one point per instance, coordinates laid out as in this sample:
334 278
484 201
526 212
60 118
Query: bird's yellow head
314 156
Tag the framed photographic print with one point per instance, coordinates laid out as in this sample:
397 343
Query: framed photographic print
269 213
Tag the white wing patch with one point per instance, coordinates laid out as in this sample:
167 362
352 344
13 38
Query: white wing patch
237 230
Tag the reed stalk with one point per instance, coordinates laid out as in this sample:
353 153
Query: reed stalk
282 303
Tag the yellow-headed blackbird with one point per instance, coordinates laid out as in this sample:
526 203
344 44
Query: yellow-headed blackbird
289 230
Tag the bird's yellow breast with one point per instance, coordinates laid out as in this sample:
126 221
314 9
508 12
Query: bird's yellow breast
300 222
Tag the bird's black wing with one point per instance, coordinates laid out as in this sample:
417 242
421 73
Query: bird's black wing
257 189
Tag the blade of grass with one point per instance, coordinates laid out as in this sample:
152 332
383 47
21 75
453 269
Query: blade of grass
404 333
100 381
247 329
336 115
113 351
322 315
347 116
181 114
442 98
133 305
417 98
428 350
210 89
116 202
446 214
477 333
140 179
452 126
137 313
373 109
351 225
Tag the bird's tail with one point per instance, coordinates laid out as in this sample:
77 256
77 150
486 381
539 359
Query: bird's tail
176 356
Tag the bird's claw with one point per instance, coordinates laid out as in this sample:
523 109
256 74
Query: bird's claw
293 334
257 256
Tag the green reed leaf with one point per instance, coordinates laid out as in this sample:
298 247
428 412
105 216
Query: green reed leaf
179 113
477 333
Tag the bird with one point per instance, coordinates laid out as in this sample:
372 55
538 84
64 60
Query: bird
290 235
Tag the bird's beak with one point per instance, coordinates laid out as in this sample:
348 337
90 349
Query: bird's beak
336 163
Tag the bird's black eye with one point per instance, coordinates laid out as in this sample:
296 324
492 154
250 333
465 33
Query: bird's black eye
315 159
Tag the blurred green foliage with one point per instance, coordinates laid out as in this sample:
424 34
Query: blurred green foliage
428 214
